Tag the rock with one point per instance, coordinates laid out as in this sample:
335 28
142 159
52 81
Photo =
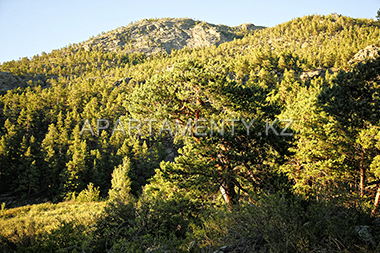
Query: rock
370 52
86 47
311 74
248 27
164 35
170 156
335 16
224 249
365 233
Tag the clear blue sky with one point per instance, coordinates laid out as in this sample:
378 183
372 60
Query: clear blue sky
28 27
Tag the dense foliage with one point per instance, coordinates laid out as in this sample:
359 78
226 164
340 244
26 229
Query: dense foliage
168 139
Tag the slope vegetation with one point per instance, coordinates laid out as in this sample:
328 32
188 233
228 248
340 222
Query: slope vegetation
183 127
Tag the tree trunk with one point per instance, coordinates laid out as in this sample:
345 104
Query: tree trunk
229 195
377 200
224 194
362 175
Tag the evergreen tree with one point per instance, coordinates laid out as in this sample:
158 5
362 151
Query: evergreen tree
53 160
76 171
121 183
317 163
354 102
192 91
29 173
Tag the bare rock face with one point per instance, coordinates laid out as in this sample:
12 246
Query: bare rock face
248 27
311 74
163 35
335 16
370 52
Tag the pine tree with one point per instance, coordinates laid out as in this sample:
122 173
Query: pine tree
54 161
76 168
29 173
317 162
353 101
231 162
121 183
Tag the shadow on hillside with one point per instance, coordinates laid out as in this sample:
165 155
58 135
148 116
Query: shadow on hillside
9 81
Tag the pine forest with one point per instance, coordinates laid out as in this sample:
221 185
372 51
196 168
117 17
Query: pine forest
176 135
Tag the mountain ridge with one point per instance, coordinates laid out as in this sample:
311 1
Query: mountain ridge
312 43
152 36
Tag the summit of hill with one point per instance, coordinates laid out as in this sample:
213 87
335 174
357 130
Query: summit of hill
163 35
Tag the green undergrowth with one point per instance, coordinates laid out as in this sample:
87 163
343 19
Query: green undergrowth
33 228
267 223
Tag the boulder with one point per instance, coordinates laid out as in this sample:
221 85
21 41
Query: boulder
370 52
365 233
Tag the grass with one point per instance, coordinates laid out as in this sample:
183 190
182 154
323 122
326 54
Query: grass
27 226
272 223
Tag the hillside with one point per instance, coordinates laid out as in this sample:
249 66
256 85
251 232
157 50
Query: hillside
148 36
163 35
318 45
197 136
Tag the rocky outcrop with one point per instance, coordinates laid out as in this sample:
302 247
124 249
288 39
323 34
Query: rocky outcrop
370 52
311 74
152 36
319 72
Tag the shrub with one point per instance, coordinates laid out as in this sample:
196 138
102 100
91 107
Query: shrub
278 224
121 183
156 223
66 238
88 195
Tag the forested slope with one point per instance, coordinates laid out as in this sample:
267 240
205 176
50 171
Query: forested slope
297 75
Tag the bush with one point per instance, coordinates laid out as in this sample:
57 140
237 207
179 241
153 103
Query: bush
48 227
88 195
69 236
121 183
157 223
278 224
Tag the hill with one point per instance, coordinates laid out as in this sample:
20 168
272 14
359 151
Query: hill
171 120
163 35
93 83
316 38
148 36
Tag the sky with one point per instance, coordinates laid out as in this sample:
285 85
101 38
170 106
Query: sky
30 27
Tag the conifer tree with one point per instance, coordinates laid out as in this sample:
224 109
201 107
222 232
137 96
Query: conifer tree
76 171
53 160
317 162
354 102
230 162
121 183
